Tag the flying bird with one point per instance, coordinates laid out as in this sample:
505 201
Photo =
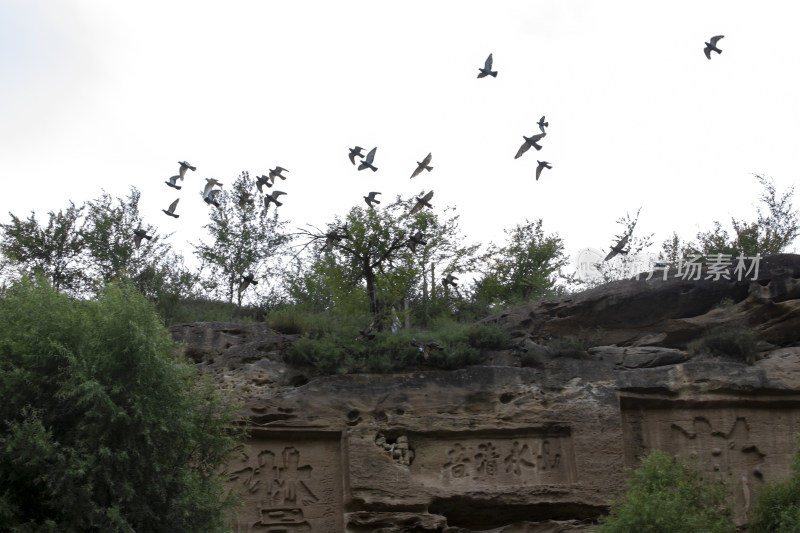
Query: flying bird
247 280
210 183
184 165
140 234
246 199
713 46
449 280
423 166
366 333
542 164
211 198
542 124
421 202
276 173
415 240
370 199
172 182
273 198
420 347
263 180
619 248
171 209
355 152
367 163
330 239
530 141
487 69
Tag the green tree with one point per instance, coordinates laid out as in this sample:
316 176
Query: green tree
246 239
53 250
528 267
103 427
669 495
445 253
108 235
774 230
370 257
777 509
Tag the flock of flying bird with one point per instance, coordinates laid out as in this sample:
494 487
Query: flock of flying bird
210 193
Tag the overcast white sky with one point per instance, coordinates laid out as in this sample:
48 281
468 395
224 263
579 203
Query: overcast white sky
104 95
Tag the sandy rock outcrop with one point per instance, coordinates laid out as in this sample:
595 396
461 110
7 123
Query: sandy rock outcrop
508 448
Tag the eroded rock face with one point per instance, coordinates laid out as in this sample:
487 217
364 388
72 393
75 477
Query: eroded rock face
512 449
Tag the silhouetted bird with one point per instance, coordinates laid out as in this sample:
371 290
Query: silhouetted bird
331 238
530 141
184 165
172 182
619 248
367 163
421 202
423 166
542 124
542 164
370 199
140 234
487 68
171 209
420 347
713 46
433 345
276 172
415 240
210 183
355 152
263 180
247 280
211 198
366 333
273 197
449 280
246 199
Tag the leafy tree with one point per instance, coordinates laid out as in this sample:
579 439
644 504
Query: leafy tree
245 240
53 250
108 235
104 427
667 494
528 267
774 230
444 254
371 253
777 509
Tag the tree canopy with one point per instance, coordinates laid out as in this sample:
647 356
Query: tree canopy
104 427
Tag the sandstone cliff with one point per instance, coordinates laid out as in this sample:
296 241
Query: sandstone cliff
509 448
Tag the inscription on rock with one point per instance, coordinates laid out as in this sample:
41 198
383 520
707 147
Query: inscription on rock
288 482
500 459
743 445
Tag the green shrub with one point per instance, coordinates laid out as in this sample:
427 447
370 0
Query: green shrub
102 426
333 345
666 495
777 509
735 341
487 337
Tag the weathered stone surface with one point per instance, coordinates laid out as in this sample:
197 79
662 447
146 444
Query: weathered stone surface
669 313
505 448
